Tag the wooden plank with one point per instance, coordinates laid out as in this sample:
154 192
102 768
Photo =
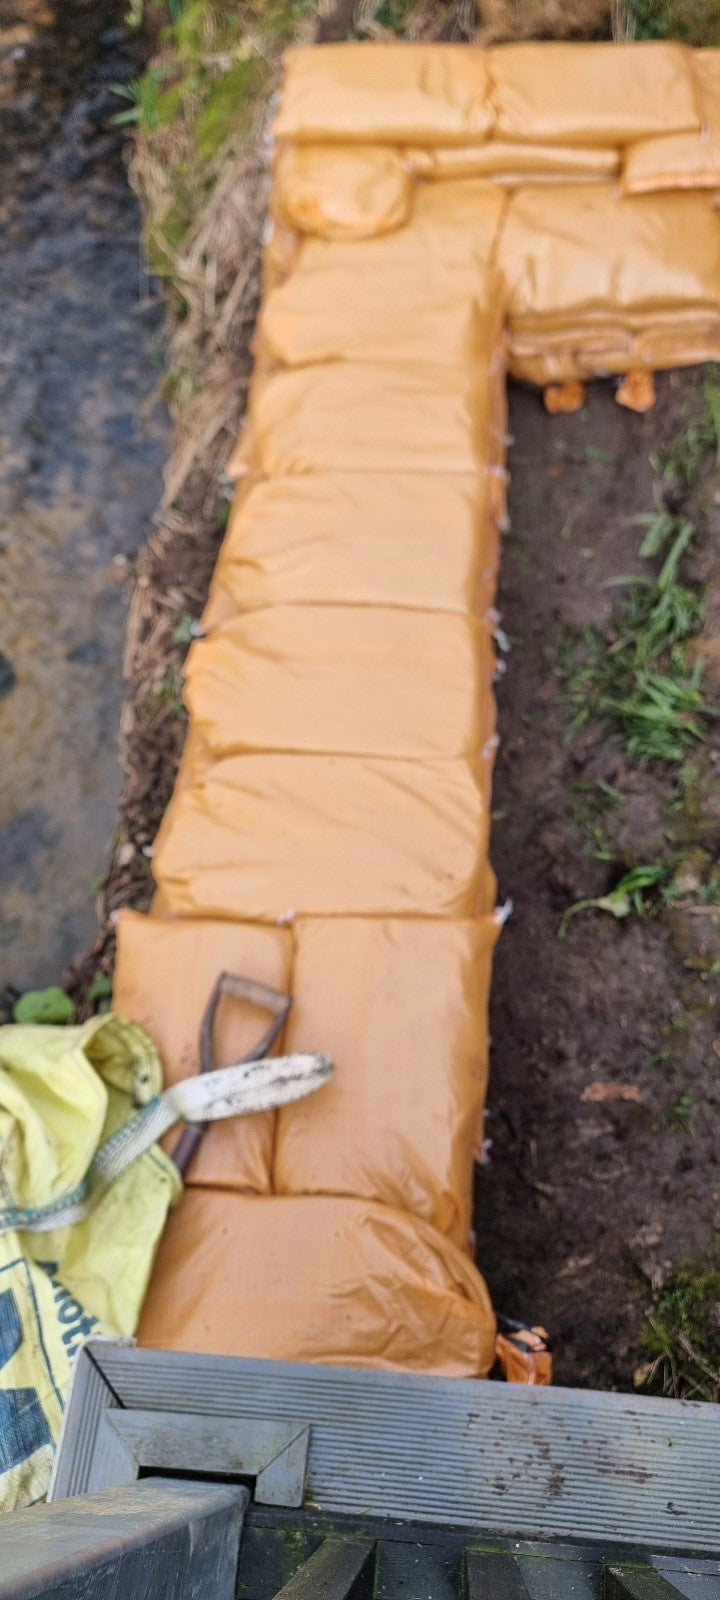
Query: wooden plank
494 1577
340 1569
637 1583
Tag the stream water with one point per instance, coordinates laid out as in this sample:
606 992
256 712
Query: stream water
82 444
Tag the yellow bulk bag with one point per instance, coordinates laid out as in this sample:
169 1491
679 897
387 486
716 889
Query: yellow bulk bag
332 1281
590 94
269 837
359 539
354 417
165 972
510 164
65 1092
341 192
401 1006
682 160
423 290
349 680
385 93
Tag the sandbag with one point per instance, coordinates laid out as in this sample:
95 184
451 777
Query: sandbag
348 680
334 1281
599 282
401 1006
269 837
164 975
591 94
682 160
385 93
358 417
427 289
360 539
341 191
510 164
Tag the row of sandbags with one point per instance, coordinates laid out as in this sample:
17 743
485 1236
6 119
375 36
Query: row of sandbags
647 113
591 281
328 834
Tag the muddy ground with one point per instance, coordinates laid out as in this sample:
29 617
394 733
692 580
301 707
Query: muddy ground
81 456
585 1206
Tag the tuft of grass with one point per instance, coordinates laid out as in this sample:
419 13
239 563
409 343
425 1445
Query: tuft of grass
684 458
681 1337
636 678
696 22
631 896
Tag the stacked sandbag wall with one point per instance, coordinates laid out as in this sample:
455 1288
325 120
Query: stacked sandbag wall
436 211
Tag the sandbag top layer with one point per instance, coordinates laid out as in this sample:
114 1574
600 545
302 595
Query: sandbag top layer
592 93
409 93
556 93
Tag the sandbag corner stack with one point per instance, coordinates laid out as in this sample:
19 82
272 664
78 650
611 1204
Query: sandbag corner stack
439 213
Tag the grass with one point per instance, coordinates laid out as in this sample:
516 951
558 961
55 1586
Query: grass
695 22
681 1338
636 677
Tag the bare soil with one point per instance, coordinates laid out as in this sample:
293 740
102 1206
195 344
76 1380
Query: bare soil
585 1206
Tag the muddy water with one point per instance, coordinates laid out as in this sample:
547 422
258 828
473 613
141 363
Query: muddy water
81 454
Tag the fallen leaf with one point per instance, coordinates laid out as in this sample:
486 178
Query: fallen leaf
612 1091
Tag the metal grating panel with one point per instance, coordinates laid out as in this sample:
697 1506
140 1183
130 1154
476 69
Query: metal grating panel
544 1463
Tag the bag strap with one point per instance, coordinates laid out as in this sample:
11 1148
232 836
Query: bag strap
240 1090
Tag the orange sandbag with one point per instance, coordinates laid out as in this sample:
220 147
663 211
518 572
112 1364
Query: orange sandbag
603 283
164 975
401 1007
357 417
682 160
423 290
359 539
348 680
385 93
269 837
509 164
589 94
333 1281
341 191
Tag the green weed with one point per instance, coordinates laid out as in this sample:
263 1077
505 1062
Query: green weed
696 22
682 1335
631 896
637 678
51 1005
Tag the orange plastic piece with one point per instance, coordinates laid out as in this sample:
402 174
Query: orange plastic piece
401 1007
407 540
385 93
524 1356
425 290
164 976
591 94
350 680
564 397
682 160
637 391
317 1279
263 837
346 192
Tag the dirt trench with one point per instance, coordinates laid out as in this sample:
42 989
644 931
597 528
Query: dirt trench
586 1205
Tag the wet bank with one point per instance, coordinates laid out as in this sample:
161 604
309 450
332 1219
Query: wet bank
82 445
